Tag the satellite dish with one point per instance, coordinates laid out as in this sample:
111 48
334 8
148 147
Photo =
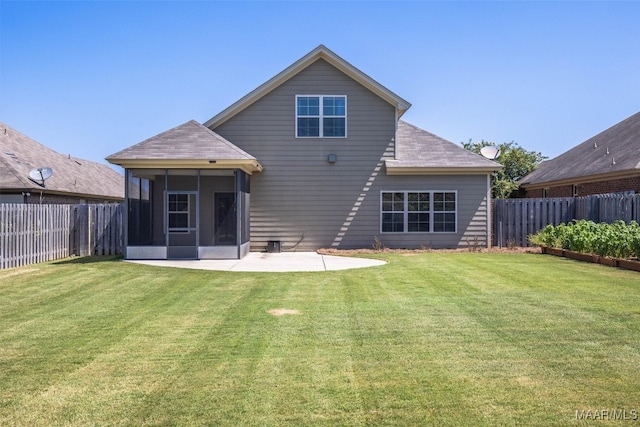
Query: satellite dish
491 152
40 175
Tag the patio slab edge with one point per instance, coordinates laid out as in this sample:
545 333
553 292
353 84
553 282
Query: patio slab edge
271 262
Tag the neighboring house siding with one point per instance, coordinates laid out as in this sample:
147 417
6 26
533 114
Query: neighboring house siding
304 201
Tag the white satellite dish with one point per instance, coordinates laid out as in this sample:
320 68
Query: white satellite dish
491 152
40 175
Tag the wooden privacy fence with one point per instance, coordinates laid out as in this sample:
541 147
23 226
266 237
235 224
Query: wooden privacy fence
515 219
36 233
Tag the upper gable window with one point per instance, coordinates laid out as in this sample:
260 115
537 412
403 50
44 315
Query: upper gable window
321 116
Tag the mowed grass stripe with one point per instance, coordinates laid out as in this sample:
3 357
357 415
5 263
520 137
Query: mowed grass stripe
429 339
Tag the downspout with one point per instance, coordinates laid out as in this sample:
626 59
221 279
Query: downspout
238 205
126 212
165 212
489 212
198 217
395 135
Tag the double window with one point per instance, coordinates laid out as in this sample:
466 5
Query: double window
321 116
418 211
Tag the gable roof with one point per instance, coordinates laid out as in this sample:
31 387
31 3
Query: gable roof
321 52
20 154
421 152
188 145
613 152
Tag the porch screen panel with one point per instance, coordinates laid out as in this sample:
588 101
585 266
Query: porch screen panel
243 197
139 215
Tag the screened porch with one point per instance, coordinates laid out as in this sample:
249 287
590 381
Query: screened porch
187 213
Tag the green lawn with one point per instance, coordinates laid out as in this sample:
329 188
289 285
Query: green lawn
429 339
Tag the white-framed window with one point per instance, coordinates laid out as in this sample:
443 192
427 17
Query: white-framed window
444 212
418 211
393 210
178 211
321 116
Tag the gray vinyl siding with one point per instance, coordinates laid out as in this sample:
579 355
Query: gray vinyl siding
303 201
471 205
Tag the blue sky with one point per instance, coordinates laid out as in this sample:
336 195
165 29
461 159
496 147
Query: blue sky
90 78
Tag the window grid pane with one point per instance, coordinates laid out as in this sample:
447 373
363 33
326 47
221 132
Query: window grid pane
178 211
333 106
393 222
393 216
308 126
418 219
444 217
333 127
418 222
308 106
444 222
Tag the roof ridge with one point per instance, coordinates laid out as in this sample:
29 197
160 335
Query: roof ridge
320 52
223 140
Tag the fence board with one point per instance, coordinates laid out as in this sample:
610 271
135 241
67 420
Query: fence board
515 219
37 233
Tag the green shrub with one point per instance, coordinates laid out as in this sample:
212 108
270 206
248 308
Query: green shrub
619 240
635 238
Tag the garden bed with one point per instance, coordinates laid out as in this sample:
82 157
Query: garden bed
613 245
627 264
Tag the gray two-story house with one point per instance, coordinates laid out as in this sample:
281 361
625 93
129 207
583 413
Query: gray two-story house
316 157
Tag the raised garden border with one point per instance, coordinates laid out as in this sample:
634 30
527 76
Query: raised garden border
627 264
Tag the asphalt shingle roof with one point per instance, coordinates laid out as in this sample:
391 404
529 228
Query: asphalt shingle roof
20 154
417 148
189 141
614 150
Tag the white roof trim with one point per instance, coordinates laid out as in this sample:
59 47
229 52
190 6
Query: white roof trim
321 52
462 170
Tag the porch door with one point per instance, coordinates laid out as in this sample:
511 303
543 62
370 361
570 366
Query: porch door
225 219
182 224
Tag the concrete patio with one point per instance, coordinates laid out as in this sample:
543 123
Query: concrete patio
271 262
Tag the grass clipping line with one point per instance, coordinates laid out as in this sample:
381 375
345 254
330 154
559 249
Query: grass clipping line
282 311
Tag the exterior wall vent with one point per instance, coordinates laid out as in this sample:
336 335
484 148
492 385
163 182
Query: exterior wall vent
273 246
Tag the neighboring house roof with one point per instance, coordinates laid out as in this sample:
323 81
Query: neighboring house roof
612 153
188 145
321 52
419 152
20 154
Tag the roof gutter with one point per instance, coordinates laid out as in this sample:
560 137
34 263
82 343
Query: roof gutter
247 165
581 179
407 170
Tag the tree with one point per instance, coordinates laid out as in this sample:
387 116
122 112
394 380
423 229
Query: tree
516 161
